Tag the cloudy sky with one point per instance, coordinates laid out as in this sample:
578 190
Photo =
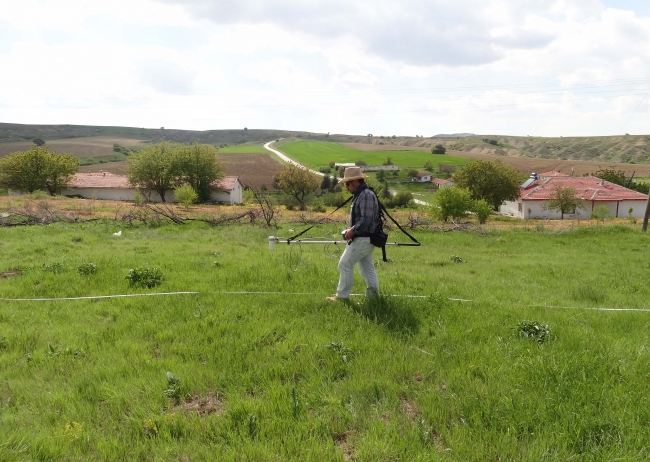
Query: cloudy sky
407 67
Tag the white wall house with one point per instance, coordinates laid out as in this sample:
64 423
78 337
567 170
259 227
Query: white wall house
593 192
108 186
368 168
422 178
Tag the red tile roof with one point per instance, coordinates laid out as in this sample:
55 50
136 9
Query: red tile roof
99 180
110 180
440 181
587 188
227 183
420 175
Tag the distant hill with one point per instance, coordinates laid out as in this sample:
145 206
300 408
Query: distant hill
627 149
453 135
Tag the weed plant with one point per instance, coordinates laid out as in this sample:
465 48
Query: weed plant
282 374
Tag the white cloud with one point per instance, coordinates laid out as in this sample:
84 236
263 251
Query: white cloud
411 67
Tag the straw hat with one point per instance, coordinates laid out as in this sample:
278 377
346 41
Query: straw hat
352 173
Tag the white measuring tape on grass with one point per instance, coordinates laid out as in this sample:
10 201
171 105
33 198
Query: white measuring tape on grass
158 294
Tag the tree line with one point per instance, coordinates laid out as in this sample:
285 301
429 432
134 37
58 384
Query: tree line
158 168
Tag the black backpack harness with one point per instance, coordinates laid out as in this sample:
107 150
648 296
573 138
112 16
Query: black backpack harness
379 238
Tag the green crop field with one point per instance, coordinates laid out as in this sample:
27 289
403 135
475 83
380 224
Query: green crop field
316 154
504 358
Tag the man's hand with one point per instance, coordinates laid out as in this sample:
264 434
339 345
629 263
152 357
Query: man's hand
349 234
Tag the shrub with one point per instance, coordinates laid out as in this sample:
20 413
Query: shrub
324 169
144 277
438 149
360 163
401 199
87 269
451 202
482 210
600 213
186 195
318 207
534 331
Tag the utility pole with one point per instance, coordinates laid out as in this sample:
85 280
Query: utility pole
646 214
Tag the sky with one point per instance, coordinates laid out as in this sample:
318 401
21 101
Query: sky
405 68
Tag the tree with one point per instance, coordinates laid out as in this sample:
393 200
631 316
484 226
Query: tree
428 166
452 202
491 181
297 182
385 192
154 169
333 183
613 176
388 161
563 200
325 184
61 168
39 141
198 166
381 175
446 168
412 173
37 169
438 149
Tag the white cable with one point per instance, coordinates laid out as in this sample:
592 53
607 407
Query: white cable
462 300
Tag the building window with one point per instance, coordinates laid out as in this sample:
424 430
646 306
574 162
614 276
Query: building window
519 207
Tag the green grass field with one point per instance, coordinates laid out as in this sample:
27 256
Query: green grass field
284 375
316 154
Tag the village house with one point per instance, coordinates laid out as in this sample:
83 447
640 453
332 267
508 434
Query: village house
537 191
108 186
368 168
422 178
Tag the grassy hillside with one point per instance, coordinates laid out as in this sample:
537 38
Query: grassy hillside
283 375
18 132
624 149
627 150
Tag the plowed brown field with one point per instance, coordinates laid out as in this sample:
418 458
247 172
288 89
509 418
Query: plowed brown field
527 165
253 170
92 146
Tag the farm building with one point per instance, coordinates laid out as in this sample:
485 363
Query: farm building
108 186
422 178
536 193
368 168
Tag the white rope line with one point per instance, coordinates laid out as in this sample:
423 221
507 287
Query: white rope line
154 294
94 297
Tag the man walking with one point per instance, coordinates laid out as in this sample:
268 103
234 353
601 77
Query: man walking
364 219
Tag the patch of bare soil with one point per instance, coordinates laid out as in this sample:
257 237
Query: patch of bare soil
10 273
341 440
203 405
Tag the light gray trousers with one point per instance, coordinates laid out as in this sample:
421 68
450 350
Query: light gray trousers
358 252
